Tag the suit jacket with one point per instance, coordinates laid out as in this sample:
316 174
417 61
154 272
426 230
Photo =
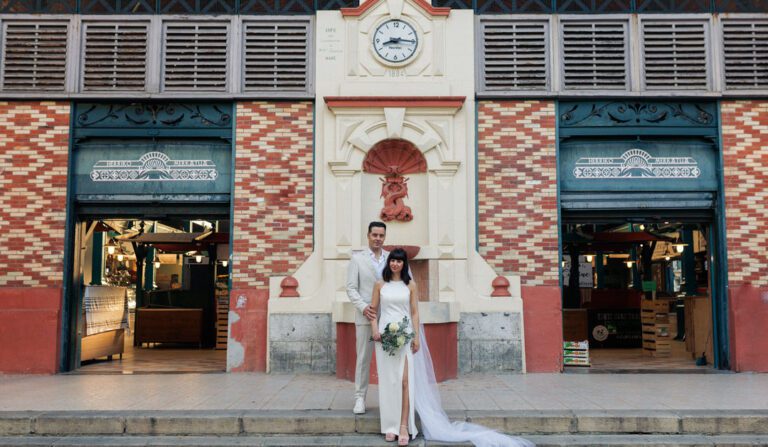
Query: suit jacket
361 277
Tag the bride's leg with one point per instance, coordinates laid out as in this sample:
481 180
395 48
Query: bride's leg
405 411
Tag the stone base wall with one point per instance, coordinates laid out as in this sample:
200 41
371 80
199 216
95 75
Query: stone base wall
490 342
301 343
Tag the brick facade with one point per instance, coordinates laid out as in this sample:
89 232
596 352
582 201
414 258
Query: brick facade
34 137
745 157
273 215
517 189
33 180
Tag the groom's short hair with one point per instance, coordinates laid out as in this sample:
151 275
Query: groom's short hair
376 223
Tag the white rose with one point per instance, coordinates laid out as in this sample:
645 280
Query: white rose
400 340
394 327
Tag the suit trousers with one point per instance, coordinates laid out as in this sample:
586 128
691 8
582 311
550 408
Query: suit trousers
364 353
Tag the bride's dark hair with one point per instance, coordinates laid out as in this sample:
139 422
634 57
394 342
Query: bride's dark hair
400 255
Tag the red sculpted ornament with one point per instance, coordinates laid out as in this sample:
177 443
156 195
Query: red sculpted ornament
393 158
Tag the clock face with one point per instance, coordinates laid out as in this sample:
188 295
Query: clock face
395 41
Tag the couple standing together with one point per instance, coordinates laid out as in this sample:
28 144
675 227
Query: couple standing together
380 286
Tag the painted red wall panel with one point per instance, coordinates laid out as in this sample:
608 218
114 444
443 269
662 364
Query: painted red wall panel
29 329
543 315
749 337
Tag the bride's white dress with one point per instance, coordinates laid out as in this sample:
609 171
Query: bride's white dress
424 396
395 299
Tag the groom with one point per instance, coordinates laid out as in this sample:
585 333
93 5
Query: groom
364 270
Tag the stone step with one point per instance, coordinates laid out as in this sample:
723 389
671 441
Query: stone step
320 422
375 441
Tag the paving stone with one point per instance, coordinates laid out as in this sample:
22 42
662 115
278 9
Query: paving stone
16 423
299 422
626 422
728 423
227 423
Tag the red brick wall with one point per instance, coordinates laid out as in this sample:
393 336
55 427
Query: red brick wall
745 159
517 189
517 215
33 192
273 216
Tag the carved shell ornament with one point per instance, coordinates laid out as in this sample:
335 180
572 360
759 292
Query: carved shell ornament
394 158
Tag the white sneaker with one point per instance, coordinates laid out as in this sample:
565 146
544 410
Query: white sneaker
359 406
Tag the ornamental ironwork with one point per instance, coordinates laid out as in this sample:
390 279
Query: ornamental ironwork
606 6
636 163
154 167
637 114
267 7
154 115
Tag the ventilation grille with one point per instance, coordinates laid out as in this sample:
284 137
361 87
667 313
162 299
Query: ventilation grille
675 56
196 56
514 56
746 54
34 56
595 56
276 55
115 56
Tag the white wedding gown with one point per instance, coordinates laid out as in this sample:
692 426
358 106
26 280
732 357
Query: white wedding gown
423 392
395 305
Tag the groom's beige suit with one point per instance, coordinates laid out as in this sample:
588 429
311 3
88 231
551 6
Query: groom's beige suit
362 275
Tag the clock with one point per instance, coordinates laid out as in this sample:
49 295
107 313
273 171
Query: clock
395 41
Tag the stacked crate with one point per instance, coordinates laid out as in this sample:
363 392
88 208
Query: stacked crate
657 337
576 353
222 311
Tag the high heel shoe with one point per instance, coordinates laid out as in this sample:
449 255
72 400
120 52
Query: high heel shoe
389 437
403 440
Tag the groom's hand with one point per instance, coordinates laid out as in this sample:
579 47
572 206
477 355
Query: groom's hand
369 312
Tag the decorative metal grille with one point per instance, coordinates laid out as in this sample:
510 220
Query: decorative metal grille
276 55
674 6
39 6
115 56
675 55
196 56
117 6
197 7
321 5
745 46
285 7
741 6
593 6
595 55
514 55
34 55
513 6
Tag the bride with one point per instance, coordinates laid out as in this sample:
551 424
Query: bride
406 376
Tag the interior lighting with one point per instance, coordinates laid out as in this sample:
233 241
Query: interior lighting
224 263
679 247
199 258
157 264
642 227
629 264
589 258
120 257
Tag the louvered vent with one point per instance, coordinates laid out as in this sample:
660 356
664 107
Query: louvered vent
594 56
34 56
196 56
115 56
276 55
746 54
514 55
675 55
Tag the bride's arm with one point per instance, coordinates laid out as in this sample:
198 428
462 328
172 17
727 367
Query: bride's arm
415 344
375 299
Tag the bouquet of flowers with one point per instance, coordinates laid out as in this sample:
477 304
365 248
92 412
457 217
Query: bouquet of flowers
395 336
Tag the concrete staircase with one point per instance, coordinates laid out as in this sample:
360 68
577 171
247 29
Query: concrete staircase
733 428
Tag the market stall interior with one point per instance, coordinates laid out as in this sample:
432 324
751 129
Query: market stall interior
156 296
638 299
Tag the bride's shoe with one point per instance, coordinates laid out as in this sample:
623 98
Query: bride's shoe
403 440
389 437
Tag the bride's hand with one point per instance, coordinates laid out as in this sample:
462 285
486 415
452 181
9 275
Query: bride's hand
415 346
377 337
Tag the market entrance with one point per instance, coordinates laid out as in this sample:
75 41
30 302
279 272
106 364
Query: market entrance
148 251
640 294
643 264
154 293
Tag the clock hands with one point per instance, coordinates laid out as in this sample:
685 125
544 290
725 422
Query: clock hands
397 40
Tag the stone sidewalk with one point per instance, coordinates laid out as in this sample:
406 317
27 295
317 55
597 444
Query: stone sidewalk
490 392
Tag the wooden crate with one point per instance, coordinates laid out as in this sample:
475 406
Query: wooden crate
655 319
222 314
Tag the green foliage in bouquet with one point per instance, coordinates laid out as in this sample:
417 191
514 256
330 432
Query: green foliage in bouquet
395 336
